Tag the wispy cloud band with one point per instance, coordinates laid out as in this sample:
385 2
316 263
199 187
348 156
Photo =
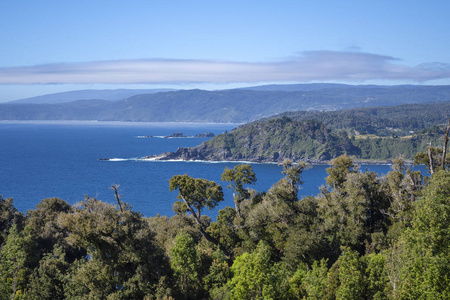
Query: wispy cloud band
310 66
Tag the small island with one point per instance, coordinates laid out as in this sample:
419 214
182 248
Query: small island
181 135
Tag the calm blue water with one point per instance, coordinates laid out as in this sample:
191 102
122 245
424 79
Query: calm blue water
46 159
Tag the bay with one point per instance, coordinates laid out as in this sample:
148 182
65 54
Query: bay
61 159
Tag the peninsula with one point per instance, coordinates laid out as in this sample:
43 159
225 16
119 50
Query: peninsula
373 134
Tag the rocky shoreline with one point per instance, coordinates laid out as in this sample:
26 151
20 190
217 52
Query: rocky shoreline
200 154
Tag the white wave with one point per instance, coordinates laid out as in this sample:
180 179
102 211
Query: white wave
121 159
148 159
158 159
166 137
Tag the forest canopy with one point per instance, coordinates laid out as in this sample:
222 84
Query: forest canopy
362 237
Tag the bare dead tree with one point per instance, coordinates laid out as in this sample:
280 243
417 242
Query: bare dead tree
430 158
444 150
115 187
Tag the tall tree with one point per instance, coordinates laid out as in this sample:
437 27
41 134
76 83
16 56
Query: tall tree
8 217
352 210
237 177
340 167
351 276
444 148
315 280
274 216
197 194
123 259
425 246
184 264
50 277
17 260
255 276
293 174
42 223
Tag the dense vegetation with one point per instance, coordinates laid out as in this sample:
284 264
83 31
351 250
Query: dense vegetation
236 106
362 237
381 121
275 140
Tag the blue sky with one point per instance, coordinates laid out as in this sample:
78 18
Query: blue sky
53 46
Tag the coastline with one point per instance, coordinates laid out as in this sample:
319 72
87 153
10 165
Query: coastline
196 154
161 158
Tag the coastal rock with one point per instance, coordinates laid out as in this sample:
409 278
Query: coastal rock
199 135
175 135
204 135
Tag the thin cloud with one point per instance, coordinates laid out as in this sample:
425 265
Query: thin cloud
310 66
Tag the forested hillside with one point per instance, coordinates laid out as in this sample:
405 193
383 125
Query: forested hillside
397 120
234 106
362 237
275 140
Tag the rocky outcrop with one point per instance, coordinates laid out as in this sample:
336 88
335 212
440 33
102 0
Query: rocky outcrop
175 135
204 153
196 153
204 135
199 135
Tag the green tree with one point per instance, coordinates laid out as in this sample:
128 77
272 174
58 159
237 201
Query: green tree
432 158
123 259
425 246
401 191
225 230
8 217
237 177
43 224
184 264
17 260
166 229
352 212
274 216
351 276
307 240
315 280
197 194
376 276
403 188
293 173
49 279
296 283
337 174
219 273
254 275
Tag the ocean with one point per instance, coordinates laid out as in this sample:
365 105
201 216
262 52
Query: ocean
43 159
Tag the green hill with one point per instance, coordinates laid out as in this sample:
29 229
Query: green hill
274 140
382 121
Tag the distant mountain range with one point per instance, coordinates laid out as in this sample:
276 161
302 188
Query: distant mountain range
236 105
108 95
295 87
